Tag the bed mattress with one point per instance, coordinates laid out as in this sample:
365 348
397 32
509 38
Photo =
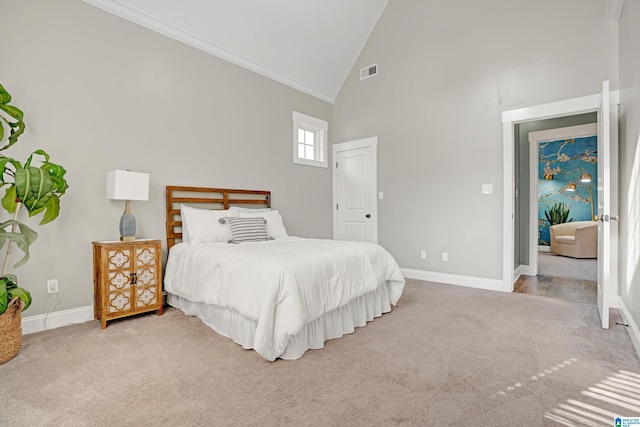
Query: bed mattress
283 296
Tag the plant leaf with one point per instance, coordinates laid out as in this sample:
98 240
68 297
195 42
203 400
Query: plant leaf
52 209
4 169
42 153
33 188
13 136
10 280
5 98
17 127
21 293
4 297
57 173
12 111
23 238
9 199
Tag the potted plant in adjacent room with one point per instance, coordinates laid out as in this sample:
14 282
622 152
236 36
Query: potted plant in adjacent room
558 214
35 186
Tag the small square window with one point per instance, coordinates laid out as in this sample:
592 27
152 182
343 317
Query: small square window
309 140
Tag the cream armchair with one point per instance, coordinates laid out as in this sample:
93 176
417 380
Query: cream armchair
575 239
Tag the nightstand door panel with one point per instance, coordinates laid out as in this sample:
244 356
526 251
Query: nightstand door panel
146 278
120 259
119 293
119 287
120 302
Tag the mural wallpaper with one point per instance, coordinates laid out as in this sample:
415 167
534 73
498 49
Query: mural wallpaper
562 163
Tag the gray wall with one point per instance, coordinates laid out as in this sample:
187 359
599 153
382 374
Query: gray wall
101 93
444 79
522 217
630 159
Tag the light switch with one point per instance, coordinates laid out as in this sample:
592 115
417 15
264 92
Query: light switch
380 195
487 188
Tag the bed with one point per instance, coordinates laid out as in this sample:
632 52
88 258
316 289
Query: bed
232 264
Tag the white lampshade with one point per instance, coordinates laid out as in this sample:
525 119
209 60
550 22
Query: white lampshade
127 185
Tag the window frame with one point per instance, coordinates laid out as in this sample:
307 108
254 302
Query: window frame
319 128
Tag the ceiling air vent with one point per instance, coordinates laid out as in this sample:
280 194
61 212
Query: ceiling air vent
369 71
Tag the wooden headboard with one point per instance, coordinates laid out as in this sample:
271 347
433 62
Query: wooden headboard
207 198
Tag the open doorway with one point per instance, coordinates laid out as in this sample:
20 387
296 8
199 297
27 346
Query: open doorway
556 171
605 104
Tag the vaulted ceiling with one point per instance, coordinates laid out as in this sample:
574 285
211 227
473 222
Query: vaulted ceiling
310 45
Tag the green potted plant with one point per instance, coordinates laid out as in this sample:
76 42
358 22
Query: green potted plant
558 214
35 186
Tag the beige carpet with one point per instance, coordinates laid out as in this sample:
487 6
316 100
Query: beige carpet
446 355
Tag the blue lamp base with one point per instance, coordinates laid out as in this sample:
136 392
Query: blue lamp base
127 225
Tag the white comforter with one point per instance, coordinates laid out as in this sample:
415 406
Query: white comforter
282 284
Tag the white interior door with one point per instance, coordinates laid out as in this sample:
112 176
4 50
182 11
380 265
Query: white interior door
605 259
355 188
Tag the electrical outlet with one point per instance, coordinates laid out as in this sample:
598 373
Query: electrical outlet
445 256
52 286
423 254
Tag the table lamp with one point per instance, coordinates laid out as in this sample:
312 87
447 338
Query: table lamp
127 185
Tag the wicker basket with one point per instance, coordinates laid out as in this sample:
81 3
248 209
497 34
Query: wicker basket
10 331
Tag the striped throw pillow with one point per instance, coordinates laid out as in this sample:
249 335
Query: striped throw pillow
247 229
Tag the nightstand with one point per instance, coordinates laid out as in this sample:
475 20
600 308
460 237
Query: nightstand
126 279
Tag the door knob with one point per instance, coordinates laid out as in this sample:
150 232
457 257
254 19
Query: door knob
606 218
368 215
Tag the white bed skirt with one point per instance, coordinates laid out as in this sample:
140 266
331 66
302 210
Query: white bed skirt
334 324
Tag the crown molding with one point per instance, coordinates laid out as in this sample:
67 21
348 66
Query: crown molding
154 24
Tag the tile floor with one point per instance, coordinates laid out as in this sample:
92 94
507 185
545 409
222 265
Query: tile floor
564 288
564 278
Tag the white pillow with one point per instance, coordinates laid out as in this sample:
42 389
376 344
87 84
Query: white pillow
239 209
204 224
183 218
275 226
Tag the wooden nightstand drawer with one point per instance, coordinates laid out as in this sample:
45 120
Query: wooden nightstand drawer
126 279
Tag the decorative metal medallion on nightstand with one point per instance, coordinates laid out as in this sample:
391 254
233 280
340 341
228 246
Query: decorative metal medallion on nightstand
126 279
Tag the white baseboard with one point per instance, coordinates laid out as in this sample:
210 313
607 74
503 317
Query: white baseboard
454 279
42 322
519 271
632 329
544 248
527 270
